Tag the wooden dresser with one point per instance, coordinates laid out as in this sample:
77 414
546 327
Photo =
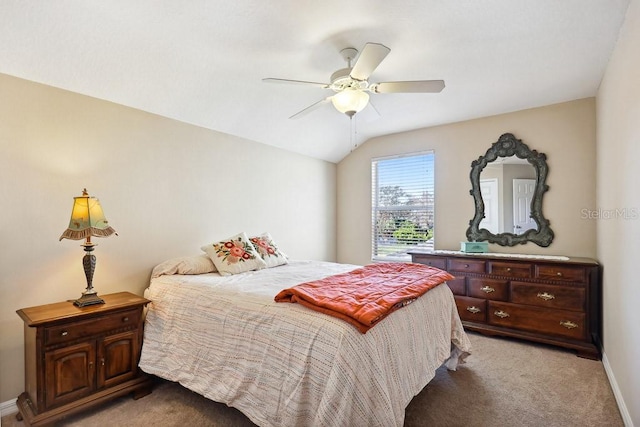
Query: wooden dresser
548 301
78 357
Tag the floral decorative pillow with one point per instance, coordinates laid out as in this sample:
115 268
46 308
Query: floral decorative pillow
197 264
268 250
234 255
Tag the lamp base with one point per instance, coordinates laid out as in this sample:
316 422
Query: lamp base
88 299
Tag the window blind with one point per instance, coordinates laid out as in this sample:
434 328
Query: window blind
402 217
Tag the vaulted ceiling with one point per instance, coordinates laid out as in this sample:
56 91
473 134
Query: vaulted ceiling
203 61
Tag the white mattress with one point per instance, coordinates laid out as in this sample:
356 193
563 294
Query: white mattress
282 364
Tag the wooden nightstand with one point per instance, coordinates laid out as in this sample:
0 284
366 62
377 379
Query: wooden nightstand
77 357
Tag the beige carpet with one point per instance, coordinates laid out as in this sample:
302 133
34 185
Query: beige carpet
504 383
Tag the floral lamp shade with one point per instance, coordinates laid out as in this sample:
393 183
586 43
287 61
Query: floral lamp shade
87 219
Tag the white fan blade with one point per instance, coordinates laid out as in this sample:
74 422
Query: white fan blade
311 107
369 59
420 86
296 82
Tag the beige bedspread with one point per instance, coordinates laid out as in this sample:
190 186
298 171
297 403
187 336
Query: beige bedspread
287 365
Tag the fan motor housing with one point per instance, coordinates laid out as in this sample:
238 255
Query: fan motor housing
342 79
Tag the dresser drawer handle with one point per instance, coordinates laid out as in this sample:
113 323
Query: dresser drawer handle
559 274
508 269
501 314
568 324
64 333
545 296
473 309
487 289
125 319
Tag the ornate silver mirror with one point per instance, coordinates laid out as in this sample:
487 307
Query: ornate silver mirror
507 185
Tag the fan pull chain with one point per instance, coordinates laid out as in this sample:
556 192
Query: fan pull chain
353 134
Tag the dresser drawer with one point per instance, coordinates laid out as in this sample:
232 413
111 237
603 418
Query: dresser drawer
432 261
467 265
563 323
550 296
458 285
472 309
511 269
560 272
489 289
72 331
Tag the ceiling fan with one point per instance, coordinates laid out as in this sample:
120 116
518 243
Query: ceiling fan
351 85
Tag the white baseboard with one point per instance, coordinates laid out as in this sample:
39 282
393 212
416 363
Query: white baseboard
8 407
624 412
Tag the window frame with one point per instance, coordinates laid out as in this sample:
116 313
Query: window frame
428 208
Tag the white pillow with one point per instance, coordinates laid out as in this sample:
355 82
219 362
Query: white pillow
197 264
234 255
268 250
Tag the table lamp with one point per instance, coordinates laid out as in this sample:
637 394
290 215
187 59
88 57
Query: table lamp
87 220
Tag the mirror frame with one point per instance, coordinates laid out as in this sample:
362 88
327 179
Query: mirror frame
508 145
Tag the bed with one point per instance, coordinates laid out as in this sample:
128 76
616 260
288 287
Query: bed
283 364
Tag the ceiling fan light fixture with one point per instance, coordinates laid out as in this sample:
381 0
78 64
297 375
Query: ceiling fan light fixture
351 84
350 101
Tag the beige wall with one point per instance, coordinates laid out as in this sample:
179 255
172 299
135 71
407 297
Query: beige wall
618 168
565 132
166 187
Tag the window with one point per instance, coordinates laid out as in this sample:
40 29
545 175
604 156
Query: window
402 206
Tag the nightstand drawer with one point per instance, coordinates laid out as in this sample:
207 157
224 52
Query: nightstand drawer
98 325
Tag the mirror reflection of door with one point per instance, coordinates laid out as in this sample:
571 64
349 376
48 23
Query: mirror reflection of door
507 204
523 190
491 199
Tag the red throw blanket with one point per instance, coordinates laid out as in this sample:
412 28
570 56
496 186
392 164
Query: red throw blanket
366 295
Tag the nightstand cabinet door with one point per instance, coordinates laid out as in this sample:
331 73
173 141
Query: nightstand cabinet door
117 359
70 373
